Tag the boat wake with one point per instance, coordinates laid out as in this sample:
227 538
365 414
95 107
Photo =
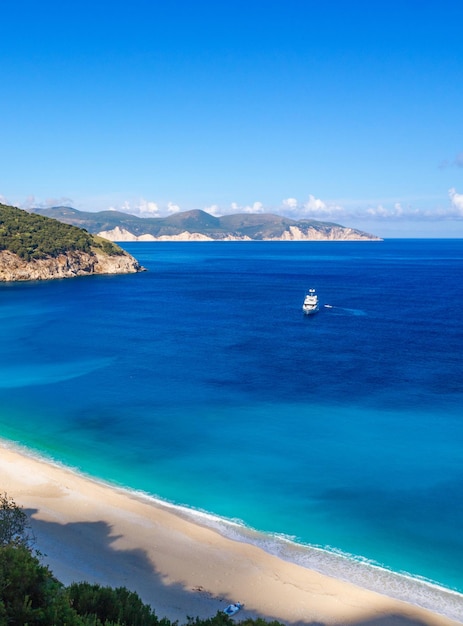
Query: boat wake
339 310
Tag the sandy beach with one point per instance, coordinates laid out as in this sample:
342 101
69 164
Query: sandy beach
90 531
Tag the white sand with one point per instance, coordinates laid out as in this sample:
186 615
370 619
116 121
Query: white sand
89 531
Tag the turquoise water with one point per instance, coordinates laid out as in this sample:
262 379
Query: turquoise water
201 383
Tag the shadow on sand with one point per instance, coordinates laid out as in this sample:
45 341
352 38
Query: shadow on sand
85 551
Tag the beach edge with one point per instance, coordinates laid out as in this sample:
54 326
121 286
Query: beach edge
89 530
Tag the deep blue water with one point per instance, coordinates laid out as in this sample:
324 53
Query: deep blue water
201 382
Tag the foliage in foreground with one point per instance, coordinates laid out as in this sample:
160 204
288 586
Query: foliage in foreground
111 606
14 524
32 236
30 595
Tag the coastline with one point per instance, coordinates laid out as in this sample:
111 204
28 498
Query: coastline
88 530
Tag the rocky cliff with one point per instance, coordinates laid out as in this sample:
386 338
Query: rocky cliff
334 233
35 247
121 234
292 233
14 268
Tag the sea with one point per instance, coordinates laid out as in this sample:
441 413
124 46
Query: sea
334 441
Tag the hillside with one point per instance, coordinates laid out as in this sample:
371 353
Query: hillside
36 247
199 225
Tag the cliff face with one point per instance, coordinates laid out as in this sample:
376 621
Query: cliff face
293 233
335 233
120 234
35 247
69 265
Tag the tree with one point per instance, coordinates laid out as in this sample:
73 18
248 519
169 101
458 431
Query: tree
14 523
29 593
112 606
32 236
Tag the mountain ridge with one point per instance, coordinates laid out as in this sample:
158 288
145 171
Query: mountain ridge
199 225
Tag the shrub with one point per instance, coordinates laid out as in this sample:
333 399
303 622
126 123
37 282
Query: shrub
14 524
32 236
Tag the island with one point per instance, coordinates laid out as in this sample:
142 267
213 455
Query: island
198 225
36 247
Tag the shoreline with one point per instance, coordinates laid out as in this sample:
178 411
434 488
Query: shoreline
90 530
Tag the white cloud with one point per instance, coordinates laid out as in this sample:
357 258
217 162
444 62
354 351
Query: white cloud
386 210
457 201
32 203
147 208
142 208
290 204
313 207
125 207
213 210
173 208
29 203
378 211
396 211
256 207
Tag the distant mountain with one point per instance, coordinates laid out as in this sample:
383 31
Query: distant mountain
201 226
35 247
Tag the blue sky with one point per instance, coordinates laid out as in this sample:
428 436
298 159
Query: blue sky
342 111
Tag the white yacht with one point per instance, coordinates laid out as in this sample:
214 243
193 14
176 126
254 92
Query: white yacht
310 304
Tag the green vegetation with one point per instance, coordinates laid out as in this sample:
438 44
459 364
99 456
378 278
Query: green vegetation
32 236
29 593
112 606
14 525
31 596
